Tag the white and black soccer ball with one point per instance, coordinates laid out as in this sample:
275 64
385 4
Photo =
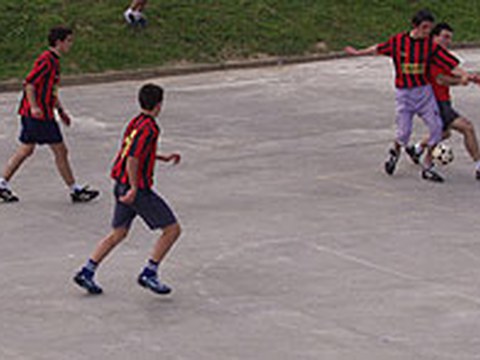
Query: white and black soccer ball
442 154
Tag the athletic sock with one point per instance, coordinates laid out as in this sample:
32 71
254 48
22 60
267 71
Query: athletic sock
75 187
89 268
3 184
477 165
151 268
418 149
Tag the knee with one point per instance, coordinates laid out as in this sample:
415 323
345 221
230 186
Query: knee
61 152
173 231
469 126
25 152
118 235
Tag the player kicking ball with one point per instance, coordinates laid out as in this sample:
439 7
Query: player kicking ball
133 174
413 52
441 81
39 126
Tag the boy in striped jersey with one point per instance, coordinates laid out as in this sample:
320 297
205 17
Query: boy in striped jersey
40 99
133 173
441 81
413 54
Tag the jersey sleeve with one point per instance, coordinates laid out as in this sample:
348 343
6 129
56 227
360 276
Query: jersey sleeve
386 48
444 58
140 142
39 71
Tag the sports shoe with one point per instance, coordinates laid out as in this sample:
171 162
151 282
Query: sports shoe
152 283
432 175
87 283
391 162
412 152
7 195
84 194
477 174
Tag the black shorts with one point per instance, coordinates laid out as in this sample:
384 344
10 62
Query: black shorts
447 113
148 205
40 132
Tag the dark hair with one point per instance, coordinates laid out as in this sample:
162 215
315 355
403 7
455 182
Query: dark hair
149 96
439 27
421 16
58 33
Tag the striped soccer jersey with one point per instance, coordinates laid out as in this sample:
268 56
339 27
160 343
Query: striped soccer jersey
139 141
414 57
45 77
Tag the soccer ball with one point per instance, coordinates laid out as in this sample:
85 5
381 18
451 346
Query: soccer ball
442 154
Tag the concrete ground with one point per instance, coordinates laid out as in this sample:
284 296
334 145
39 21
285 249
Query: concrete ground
296 245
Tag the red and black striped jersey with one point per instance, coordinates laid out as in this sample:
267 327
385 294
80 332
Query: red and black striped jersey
139 141
413 57
45 77
442 92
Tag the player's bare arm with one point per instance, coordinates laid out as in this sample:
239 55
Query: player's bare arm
34 108
174 157
132 171
372 50
62 113
447 80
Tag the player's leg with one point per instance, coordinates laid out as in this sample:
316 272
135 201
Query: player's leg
158 215
78 193
466 128
60 153
123 216
21 154
403 119
430 114
416 151
85 277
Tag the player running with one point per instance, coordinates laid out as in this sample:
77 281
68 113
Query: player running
40 99
413 54
441 79
133 172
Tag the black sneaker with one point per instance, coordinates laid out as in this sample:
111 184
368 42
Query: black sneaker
477 174
152 283
412 152
87 283
432 175
391 162
6 195
84 194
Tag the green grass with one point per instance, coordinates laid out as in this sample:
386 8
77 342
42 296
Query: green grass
209 30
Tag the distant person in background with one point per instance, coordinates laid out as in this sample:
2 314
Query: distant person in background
134 14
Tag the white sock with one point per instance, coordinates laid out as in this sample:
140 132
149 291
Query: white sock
4 184
477 165
76 187
418 148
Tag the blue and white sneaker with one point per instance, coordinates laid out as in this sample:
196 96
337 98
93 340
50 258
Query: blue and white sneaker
87 282
154 284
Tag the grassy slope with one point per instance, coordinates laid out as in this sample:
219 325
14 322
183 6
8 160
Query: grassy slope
209 30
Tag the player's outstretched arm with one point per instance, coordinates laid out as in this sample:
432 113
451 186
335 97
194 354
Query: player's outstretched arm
372 50
174 157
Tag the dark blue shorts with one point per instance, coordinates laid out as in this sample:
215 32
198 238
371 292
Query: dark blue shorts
448 113
148 205
40 132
